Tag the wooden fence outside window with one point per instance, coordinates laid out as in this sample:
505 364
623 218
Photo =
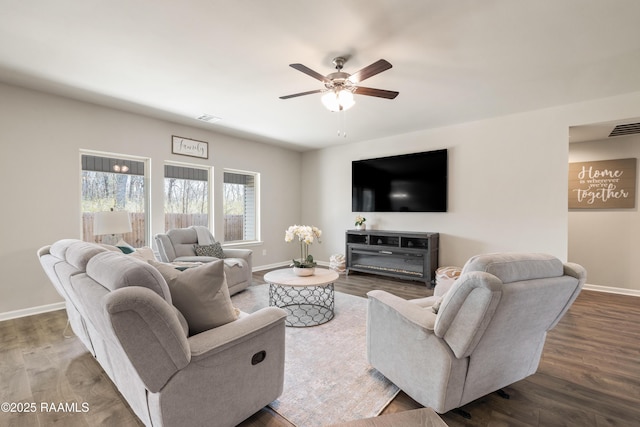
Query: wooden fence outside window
233 226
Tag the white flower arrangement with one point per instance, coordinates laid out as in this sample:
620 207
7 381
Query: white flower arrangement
306 236
360 220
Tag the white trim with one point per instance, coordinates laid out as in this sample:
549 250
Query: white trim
587 287
612 290
242 243
148 237
270 266
60 305
210 171
31 311
257 198
283 264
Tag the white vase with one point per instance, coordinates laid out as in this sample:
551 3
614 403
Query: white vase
361 227
302 272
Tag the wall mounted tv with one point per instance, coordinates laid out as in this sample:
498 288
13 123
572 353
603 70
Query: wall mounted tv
414 182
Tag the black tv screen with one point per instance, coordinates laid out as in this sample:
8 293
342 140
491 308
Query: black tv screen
414 182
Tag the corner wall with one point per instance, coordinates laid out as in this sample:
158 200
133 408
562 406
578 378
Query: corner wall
507 182
605 241
41 136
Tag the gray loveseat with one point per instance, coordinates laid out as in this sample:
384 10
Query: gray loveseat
120 307
179 245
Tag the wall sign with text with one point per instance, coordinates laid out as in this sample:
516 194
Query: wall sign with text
189 147
605 184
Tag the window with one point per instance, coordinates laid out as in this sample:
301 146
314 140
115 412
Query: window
186 196
114 184
241 206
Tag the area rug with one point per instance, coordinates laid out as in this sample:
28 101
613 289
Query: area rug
327 377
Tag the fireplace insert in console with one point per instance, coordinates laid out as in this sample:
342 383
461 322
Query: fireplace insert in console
404 255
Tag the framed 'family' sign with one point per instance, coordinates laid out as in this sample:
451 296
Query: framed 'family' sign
605 184
189 147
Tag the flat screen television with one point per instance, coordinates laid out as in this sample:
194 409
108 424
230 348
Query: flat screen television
414 182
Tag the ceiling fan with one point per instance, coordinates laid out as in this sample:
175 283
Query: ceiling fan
339 86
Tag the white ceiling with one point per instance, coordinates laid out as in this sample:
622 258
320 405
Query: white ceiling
453 61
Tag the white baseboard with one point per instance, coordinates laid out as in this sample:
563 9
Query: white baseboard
270 266
31 311
60 305
282 264
597 288
612 290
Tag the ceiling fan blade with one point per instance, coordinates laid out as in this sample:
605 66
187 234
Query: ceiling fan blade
380 93
370 71
308 71
301 94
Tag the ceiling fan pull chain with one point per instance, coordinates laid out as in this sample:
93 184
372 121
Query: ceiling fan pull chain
342 123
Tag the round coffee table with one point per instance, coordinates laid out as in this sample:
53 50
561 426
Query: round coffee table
309 300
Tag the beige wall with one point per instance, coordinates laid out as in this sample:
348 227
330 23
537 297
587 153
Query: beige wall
41 137
606 241
507 182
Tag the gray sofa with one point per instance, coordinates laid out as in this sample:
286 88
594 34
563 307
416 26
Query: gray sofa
485 333
179 245
120 307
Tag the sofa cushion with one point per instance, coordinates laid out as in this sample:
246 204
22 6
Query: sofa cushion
214 250
79 253
182 241
59 248
115 270
515 267
201 294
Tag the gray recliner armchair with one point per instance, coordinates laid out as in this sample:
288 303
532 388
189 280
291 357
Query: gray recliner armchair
179 245
485 333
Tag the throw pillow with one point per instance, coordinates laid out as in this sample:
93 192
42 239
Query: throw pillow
436 307
126 249
214 250
144 253
201 294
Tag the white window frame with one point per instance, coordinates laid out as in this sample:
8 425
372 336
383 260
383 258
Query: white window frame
209 170
146 179
257 219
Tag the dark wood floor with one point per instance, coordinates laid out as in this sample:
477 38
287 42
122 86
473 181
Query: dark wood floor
589 374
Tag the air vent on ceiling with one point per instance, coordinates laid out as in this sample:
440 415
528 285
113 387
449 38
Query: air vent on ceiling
208 118
628 129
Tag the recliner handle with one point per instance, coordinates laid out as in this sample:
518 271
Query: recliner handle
258 357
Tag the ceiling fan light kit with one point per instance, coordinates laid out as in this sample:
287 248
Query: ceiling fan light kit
338 99
339 86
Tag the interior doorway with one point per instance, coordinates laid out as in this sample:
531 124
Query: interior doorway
606 241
